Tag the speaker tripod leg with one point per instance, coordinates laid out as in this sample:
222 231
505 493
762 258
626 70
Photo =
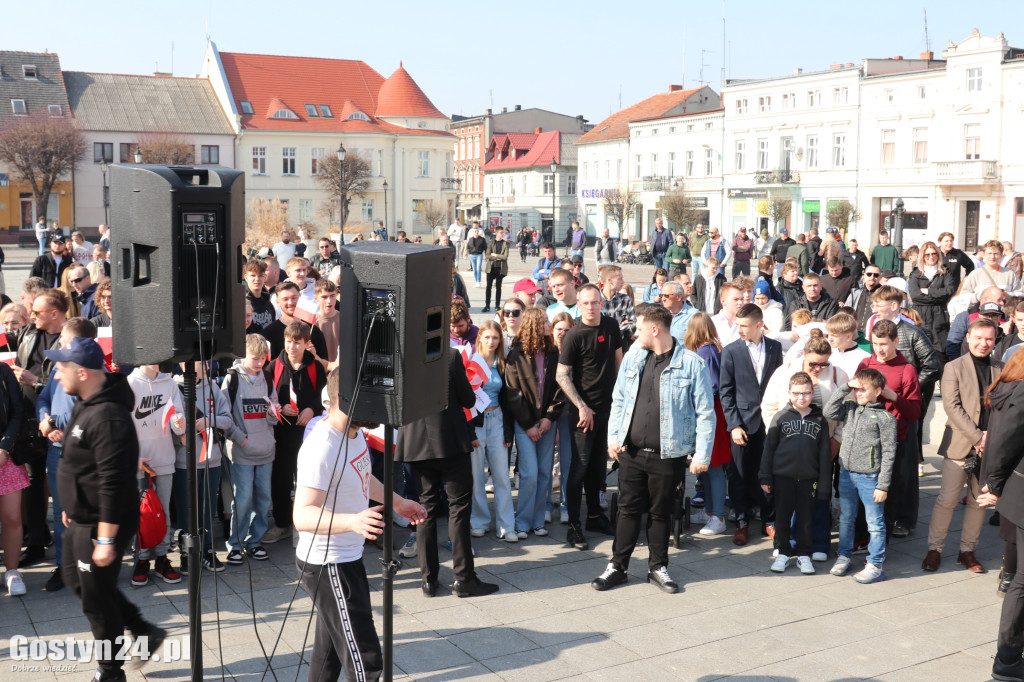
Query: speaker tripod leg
388 564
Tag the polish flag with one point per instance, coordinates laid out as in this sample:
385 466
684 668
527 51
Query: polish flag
306 310
273 409
8 358
3 341
206 443
168 413
293 400
106 342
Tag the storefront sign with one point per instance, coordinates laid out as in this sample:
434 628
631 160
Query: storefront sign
812 206
597 193
697 202
739 206
747 193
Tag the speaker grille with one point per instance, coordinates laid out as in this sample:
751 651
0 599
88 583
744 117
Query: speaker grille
196 307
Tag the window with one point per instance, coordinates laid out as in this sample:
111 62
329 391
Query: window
501 185
654 165
288 160
549 184
607 170
972 141
639 171
285 113
764 104
572 185
636 133
103 152
447 164
305 210
316 155
259 160
585 170
127 152
29 71
20 109
325 111
360 116
209 153
786 101
671 129
813 98
889 96
839 150
246 107
741 106
671 164
689 128
618 169
974 80
423 165
709 163
836 97
921 92
380 162
762 154
311 111
476 147
654 131
845 95
888 147
812 151
367 210
689 163
523 190
920 145
56 110
741 152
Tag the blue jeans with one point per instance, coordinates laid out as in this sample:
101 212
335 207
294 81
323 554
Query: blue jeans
207 503
851 487
659 260
42 245
493 454
250 486
477 261
561 425
53 453
714 491
535 463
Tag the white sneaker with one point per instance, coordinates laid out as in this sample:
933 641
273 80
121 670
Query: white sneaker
509 537
489 486
604 500
563 515
274 534
805 565
699 516
780 564
408 550
775 553
920 470
819 556
841 566
715 526
15 585
478 532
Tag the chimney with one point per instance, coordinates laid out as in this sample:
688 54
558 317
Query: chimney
928 55
798 71
833 67
518 107
488 112
538 130
674 88
898 57
849 64
504 110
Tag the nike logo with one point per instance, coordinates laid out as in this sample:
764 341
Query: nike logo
148 405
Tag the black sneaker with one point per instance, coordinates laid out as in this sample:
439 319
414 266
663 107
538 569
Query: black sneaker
140 576
600 524
258 553
235 557
609 578
473 588
900 530
1004 583
166 572
575 538
153 643
32 554
211 562
56 581
183 565
117 675
1008 671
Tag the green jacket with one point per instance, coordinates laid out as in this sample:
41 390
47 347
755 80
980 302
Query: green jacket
799 251
886 257
680 252
497 252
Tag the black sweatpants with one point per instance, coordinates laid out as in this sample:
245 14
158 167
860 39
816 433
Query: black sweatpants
1010 642
646 485
589 462
744 487
453 477
109 612
282 473
37 531
345 638
904 493
493 279
793 495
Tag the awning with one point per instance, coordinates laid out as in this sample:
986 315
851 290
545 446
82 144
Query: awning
467 207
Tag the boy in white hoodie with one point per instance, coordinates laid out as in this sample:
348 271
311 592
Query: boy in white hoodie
158 408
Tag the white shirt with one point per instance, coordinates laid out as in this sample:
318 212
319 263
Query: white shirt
455 233
283 252
709 296
756 351
339 466
727 331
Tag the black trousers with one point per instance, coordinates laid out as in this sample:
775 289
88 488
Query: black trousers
740 267
589 462
494 279
37 531
792 495
744 487
454 477
646 485
109 612
904 494
282 473
345 638
1010 642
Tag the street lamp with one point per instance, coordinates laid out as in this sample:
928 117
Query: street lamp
341 189
554 191
896 223
385 235
106 194
138 155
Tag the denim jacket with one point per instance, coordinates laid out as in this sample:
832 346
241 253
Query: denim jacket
687 403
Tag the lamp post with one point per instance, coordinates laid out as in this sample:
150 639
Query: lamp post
138 155
106 194
554 192
896 223
341 190
385 235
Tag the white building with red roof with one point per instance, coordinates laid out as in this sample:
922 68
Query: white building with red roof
291 112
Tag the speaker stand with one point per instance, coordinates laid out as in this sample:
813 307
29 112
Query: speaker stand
192 540
388 564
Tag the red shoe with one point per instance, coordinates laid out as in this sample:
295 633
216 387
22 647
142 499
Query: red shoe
167 572
741 536
769 531
141 575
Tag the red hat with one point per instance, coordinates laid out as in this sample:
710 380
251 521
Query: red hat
525 284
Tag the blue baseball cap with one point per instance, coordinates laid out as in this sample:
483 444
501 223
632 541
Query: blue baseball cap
81 351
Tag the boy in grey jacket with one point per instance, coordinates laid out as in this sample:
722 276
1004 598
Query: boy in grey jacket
865 468
251 447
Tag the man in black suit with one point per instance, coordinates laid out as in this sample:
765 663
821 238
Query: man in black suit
747 365
438 449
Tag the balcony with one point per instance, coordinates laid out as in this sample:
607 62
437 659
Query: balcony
969 172
652 183
451 183
776 177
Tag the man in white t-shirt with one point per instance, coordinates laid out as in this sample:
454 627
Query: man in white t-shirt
456 234
284 250
333 487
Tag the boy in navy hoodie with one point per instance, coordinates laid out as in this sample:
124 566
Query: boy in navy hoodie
796 466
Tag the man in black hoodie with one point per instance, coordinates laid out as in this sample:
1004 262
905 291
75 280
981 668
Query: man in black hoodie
815 299
255 275
99 493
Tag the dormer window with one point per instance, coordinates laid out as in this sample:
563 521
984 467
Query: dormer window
311 111
246 107
20 109
284 113
30 72
325 111
56 110
357 116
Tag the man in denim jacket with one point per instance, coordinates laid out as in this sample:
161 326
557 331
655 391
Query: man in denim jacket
662 412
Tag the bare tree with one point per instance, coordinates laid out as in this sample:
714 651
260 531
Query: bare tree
171 149
435 215
356 177
841 213
619 204
779 210
264 221
40 150
680 210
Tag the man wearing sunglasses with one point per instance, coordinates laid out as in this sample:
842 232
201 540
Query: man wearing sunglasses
860 299
85 292
325 258
50 266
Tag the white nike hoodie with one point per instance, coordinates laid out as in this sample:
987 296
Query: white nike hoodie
151 399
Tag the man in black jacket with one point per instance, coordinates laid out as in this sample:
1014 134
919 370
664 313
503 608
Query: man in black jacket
99 493
50 266
954 259
837 280
781 247
815 299
326 257
438 449
255 275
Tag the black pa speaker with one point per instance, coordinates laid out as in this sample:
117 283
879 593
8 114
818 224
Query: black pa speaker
395 304
176 255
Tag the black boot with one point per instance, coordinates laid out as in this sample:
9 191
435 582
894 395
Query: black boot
1004 583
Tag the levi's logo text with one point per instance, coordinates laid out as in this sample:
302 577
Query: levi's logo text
148 405
254 408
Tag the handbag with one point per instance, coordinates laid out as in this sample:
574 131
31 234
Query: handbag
152 519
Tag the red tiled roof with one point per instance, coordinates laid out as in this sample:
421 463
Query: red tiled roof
400 96
277 105
617 125
542 149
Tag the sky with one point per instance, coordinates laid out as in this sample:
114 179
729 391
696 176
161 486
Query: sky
562 55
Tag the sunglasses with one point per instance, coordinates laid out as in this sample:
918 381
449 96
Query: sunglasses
37 313
872 274
76 281
819 365
512 312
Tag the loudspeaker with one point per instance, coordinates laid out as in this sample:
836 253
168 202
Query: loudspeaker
395 304
176 257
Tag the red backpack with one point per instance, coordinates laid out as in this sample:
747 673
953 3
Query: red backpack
152 520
